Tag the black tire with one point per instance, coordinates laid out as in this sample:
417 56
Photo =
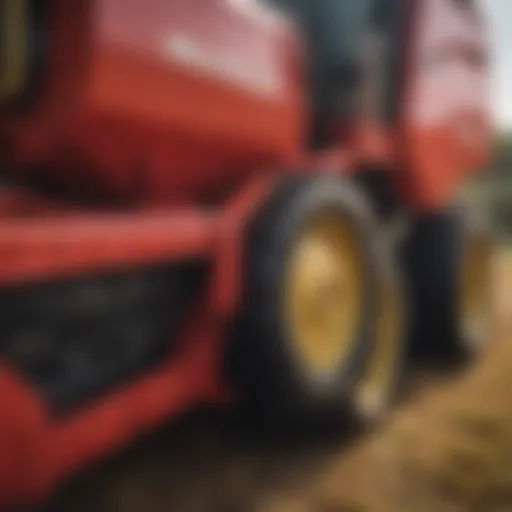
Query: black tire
433 254
279 388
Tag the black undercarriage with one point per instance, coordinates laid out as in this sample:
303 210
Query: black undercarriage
73 339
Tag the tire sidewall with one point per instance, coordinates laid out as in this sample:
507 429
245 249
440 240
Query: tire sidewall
291 377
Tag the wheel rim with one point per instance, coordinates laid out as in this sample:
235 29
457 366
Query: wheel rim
324 292
475 298
374 391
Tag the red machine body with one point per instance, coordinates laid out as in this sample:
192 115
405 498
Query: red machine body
447 125
165 101
161 100
181 116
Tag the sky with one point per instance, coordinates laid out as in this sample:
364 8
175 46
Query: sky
500 32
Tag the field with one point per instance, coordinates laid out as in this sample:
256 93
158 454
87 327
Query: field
446 448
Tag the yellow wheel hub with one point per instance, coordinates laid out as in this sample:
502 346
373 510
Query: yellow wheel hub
324 292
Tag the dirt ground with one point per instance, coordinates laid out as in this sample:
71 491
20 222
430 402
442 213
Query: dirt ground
446 448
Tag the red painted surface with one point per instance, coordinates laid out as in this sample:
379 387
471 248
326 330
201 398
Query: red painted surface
161 100
232 227
55 246
446 117
37 449
157 103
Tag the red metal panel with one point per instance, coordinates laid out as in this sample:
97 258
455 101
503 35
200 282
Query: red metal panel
229 258
446 127
159 100
49 247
